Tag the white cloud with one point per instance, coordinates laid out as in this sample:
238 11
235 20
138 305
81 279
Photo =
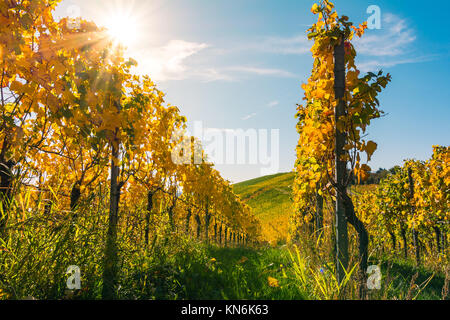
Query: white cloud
168 62
393 39
261 71
374 65
251 115
237 73
298 44
273 104
390 46
211 74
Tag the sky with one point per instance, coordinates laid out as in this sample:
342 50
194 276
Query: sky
239 64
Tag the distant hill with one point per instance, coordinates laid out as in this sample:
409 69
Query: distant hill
270 199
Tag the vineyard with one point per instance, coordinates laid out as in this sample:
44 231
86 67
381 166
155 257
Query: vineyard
98 171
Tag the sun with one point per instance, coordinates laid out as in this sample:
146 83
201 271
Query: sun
122 28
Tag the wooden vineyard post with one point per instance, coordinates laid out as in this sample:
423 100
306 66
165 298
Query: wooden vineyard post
341 223
111 257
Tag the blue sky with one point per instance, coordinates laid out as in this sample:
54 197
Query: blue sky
240 64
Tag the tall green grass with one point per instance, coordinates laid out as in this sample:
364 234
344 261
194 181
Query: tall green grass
39 245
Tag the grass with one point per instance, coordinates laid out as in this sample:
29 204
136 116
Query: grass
202 272
406 281
240 274
181 268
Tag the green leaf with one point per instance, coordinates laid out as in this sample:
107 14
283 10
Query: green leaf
131 62
312 35
67 113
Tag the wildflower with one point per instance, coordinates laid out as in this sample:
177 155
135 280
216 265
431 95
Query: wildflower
321 270
272 282
212 260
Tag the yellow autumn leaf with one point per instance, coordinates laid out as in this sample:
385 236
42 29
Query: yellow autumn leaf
242 260
370 149
315 8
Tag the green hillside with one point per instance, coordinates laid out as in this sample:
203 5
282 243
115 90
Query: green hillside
270 199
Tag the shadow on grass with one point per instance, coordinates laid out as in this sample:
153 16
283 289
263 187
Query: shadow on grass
238 274
401 273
